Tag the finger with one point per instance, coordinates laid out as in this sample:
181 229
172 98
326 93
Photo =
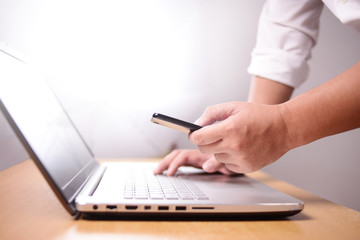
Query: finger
216 113
207 135
212 165
213 148
223 157
178 161
164 164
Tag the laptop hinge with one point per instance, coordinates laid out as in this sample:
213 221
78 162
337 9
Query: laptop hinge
93 182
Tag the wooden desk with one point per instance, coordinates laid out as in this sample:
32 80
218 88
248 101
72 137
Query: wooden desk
29 210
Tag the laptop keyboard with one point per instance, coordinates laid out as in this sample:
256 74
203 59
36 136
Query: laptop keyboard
139 185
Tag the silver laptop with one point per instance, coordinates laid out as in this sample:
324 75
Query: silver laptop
118 188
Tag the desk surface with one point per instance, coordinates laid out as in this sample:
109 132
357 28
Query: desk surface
30 210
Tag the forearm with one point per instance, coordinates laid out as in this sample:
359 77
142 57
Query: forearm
331 108
266 91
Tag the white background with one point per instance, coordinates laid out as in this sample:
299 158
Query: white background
114 63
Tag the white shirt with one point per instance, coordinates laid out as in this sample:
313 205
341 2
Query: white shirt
287 31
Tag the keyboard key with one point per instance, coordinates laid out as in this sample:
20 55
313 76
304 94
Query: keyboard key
201 197
141 197
171 196
141 185
156 196
186 196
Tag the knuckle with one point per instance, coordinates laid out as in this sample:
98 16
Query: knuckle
231 127
183 156
238 146
209 109
176 152
235 147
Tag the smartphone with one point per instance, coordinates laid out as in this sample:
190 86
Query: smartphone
174 123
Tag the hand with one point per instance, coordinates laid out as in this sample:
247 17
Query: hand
194 158
247 136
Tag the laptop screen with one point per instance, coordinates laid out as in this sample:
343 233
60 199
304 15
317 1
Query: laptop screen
44 127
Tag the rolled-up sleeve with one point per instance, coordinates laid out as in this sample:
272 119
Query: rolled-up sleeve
287 31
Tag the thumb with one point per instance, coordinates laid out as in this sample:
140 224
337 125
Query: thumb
218 112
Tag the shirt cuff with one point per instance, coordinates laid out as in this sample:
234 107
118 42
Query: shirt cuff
280 66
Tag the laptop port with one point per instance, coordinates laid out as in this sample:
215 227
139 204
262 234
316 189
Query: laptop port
131 207
147 207
163 208
203 208
111 207
95 207
180 208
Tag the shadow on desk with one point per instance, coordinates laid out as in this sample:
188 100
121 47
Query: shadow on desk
190 218
189 228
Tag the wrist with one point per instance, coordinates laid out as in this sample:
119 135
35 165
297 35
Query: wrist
294 137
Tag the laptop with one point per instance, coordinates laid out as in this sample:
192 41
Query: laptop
86 187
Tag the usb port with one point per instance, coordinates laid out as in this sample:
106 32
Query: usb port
163 208
131 207
180 208
111 207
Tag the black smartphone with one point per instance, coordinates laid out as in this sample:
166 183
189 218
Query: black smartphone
174 123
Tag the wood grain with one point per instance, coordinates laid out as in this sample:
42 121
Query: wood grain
29 210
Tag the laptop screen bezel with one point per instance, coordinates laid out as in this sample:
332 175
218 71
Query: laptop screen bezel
67 200
68 194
